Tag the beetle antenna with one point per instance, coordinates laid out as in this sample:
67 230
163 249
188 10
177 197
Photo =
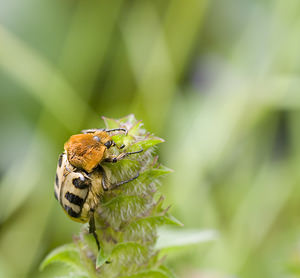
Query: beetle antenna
92 130
117 129
118 184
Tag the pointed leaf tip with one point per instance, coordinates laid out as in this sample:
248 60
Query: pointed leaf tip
101 258
171 220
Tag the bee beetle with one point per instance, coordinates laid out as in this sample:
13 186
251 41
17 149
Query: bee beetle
80 178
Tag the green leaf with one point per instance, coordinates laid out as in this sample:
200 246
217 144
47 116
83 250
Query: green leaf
136 129
122 209
67 254
153 173
129 255
101 258
176 239
145 144
171 220
164 169
150 274
110 123
157 220
167 271
129 120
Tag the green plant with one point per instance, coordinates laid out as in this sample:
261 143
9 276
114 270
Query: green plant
127 218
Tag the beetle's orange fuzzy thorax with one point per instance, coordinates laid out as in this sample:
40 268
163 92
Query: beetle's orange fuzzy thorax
86 151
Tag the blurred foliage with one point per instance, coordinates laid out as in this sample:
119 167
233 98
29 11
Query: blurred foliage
219 80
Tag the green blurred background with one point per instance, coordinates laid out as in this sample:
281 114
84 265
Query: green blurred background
219 80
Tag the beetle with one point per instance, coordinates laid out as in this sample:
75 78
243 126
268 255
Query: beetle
81 180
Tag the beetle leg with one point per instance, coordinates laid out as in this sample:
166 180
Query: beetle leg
120 156
121 147
104 181
92 228
116 185
113 143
